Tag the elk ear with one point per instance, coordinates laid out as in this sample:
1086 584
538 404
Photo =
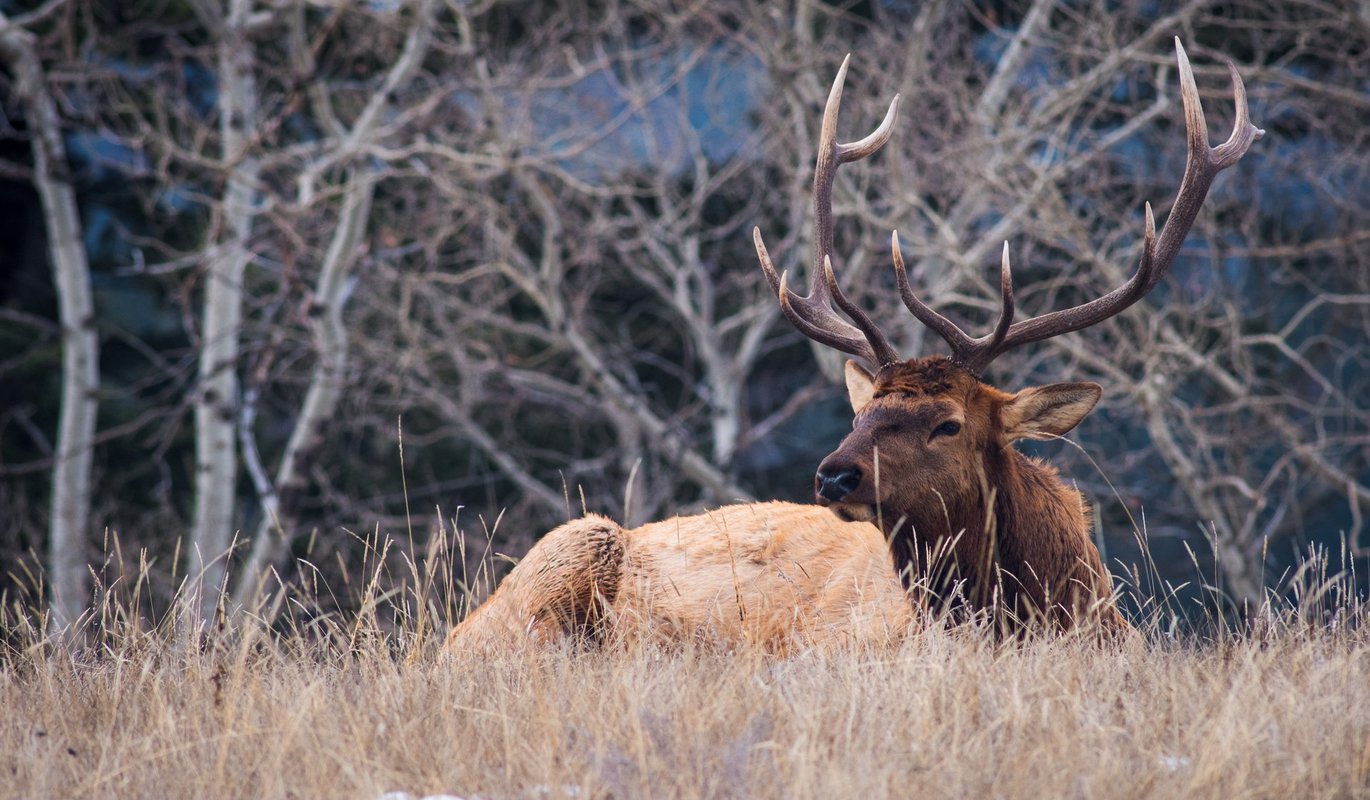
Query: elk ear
1045 412
860 385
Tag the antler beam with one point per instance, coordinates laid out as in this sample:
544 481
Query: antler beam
1201 166
813 315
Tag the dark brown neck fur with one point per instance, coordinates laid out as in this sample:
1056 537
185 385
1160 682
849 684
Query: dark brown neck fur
1032 557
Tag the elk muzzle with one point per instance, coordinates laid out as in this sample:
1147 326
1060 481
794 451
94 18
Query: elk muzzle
835 482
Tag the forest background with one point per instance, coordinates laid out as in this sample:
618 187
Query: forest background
280 279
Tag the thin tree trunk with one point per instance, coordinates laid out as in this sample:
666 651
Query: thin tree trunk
216 464
280 500
67 565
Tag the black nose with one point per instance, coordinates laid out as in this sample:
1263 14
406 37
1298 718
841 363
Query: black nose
837 483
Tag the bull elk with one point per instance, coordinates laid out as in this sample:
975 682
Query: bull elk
928 474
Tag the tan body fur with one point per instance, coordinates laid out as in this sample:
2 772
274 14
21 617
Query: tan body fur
774 575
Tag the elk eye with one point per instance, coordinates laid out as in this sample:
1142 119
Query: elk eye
949 428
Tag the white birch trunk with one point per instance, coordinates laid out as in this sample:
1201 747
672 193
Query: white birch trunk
216 463
67 565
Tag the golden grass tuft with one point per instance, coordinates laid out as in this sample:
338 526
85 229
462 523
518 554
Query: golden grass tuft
357 704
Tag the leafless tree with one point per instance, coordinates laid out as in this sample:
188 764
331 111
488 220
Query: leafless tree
349 144
268 192
71 471
523 231
580 238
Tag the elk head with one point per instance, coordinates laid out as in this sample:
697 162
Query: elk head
931 446
927 434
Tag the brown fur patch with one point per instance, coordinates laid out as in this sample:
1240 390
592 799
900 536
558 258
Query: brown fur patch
965 506
926 377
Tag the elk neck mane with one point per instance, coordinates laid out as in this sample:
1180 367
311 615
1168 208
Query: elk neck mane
1033 516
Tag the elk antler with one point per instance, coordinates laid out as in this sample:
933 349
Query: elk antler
813 315
1201 167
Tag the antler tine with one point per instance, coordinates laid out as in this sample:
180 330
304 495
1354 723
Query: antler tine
1202 165
880 346
1001 328
973 354
1243 132
813 315
955 338
831 154
824 331
871 142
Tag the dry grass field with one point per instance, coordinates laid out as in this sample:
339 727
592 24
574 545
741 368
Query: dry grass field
344 706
